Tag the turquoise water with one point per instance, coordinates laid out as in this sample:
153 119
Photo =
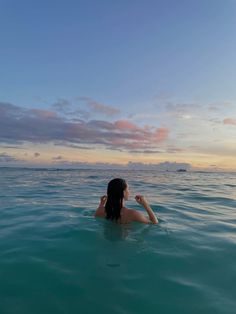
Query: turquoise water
56 258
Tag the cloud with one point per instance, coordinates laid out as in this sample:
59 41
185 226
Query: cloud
99 107
62 104
230 121
5 158
217 106
59 157
126 125
183 110
173 150
19 125
77 146
67 107
169 150
215 149
213 108
11 146
45 114
148 151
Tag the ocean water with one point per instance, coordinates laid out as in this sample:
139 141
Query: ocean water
55 257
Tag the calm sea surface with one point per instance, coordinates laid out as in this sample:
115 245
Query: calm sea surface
55 257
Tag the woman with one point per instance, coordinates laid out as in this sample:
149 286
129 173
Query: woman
112 206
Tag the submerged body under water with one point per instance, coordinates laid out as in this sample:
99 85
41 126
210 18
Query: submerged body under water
55 257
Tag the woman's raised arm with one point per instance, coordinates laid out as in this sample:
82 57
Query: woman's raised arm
100 212
140 199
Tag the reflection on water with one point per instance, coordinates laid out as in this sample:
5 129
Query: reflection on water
114 231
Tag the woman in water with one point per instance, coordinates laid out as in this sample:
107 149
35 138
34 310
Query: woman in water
112 206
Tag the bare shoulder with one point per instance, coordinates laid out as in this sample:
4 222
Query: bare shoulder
100 212
136 215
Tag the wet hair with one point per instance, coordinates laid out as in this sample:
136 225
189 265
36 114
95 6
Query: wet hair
115 195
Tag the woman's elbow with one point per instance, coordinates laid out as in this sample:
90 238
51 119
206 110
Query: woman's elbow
154 222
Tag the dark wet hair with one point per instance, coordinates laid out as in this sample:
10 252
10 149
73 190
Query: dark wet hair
115 195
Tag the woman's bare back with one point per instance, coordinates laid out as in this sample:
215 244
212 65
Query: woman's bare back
127 215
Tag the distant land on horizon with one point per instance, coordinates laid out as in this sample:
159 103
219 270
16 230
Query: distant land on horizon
162 167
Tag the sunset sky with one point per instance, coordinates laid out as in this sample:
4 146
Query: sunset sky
114 82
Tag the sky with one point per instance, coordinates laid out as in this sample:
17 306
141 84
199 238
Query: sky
129 82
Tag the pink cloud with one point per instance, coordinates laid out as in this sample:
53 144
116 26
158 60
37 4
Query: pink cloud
133 137
161 134
45 114
126 125
142 133
230 121
20 125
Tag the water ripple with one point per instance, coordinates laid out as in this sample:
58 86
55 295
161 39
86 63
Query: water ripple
51 245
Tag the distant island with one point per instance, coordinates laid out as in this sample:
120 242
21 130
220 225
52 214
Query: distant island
182 170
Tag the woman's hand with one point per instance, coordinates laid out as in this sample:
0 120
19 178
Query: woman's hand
140 199
103 201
